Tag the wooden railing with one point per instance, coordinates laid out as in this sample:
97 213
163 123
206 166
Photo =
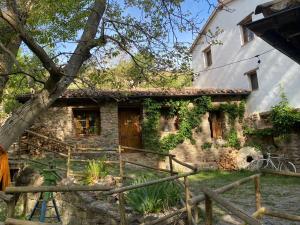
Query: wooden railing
209 196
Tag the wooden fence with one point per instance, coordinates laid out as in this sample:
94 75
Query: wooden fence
73 151
190 202
209 196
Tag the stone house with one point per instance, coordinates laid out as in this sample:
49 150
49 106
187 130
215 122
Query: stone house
108 118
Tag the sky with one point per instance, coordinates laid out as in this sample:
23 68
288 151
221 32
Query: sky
198 9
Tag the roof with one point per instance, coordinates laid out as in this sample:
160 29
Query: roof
280 28
274 6
120 95
210 18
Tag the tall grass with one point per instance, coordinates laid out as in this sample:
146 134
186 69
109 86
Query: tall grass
154 198
96 169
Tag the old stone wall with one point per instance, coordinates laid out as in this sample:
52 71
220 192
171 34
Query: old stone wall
289 146
58 122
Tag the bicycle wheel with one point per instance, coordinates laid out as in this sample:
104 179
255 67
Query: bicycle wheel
255 164
287 167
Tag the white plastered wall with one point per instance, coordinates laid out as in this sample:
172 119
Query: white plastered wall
275 70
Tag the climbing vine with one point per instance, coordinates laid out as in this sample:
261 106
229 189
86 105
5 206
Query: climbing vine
189 117
234 111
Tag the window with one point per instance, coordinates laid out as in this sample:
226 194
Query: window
252 75
87 121
208 57
168 121
247 35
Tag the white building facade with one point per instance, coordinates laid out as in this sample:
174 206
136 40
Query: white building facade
243 60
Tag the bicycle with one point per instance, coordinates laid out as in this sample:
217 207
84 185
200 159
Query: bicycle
269 162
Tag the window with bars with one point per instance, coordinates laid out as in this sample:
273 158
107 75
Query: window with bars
87 121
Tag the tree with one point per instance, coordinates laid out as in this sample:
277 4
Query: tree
109 28
127 74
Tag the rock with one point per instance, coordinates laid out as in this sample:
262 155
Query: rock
107 181
246 155
221 142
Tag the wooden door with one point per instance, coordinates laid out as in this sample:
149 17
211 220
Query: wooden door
130 131
216 125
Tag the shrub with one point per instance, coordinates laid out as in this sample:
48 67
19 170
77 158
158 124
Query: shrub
206 145
154 198
233 140
96 170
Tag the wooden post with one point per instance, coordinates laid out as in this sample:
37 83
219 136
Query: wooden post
69 162
187 197
208 210
122 164
11 208
171 164
27 141
257 192
122 209
196 214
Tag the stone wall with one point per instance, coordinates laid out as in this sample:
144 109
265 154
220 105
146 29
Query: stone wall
289 146
58 122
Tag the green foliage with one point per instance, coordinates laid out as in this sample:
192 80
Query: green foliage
189 118
258 132
96 170
154 198
233 110
233 140
206 145
284 117
151 124
255 145
128 74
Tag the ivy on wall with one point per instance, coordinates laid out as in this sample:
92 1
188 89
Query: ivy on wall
189 119
234 111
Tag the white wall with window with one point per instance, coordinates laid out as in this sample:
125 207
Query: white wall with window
235 57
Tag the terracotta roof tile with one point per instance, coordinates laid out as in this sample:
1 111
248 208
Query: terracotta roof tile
144 93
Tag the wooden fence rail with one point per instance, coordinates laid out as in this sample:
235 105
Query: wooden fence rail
146 151
10 221
200 198
282 173
239 213
150 167
64 188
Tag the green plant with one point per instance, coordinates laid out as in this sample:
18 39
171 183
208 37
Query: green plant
284 117
258 132
206 145
189 118
96 169
233 140
234 110
154 198
257 146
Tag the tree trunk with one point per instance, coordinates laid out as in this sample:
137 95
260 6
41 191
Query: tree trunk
25 115
12 42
